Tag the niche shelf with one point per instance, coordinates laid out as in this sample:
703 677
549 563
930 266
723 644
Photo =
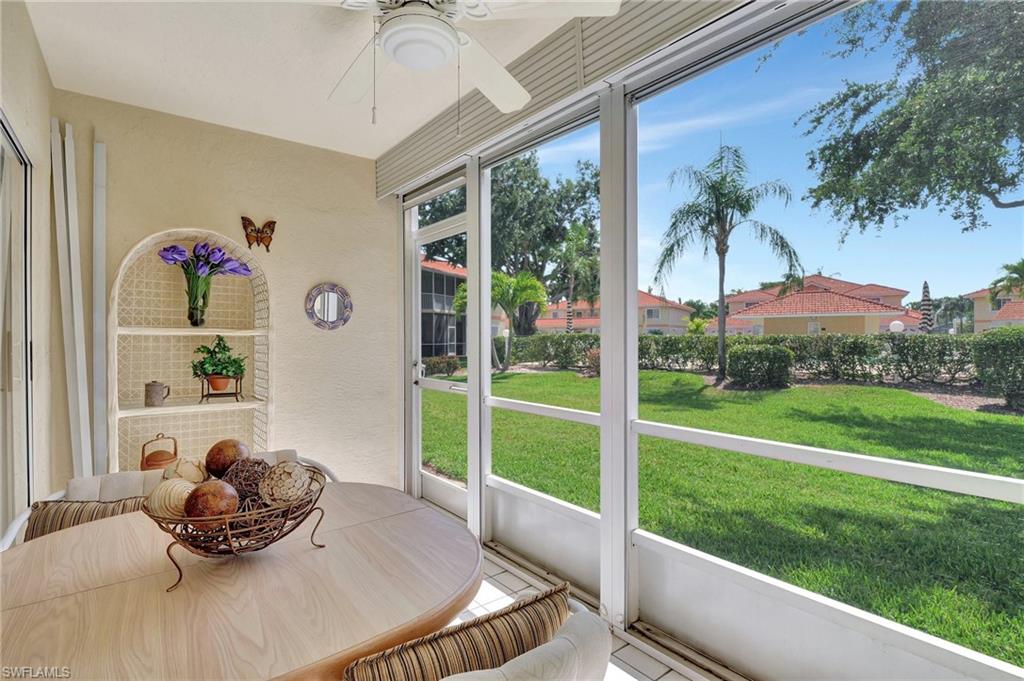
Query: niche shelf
149 338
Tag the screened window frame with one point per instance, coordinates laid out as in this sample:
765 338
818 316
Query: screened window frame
616 112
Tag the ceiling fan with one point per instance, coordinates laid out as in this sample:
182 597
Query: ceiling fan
421 35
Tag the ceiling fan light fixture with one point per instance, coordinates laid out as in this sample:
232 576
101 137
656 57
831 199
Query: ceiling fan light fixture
421 42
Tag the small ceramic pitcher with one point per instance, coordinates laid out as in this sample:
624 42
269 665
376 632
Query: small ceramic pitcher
156 393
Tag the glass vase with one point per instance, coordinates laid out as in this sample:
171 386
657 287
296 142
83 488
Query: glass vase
198 290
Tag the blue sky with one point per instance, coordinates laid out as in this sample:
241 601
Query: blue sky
756 108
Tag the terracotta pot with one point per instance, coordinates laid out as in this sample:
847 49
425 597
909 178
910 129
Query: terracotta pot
219 383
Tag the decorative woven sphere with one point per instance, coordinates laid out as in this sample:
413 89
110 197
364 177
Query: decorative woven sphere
284 483
223 455
193 470
168 498
245 476
213 497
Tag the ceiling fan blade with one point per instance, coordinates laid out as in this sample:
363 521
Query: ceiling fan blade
356 81
358 5
490 77
539 9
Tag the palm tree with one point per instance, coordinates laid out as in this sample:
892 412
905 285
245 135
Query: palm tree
579 265
509 294
1011 282
721 203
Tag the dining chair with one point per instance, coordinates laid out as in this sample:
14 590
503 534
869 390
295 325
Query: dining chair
544 636
579 651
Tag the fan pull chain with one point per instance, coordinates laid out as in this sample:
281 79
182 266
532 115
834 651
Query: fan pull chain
458 93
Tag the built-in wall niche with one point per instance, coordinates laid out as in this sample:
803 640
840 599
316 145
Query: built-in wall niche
150 339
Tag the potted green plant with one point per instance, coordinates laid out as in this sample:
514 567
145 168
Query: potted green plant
217 364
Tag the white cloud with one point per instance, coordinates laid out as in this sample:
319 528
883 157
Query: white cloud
655 136
569 150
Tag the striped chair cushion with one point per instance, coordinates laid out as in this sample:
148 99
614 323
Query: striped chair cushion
50 516
484 643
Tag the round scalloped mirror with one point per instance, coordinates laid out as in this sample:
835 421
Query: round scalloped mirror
328 306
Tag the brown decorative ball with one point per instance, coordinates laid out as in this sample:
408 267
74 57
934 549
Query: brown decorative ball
223 455
213 497
245 475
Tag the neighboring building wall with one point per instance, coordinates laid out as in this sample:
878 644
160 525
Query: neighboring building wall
442 332
671 321
984 313
165 172
798 325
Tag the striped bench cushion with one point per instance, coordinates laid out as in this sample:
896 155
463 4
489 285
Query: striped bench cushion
484 643
50 516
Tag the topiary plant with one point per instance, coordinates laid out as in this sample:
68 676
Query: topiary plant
218 361
999 361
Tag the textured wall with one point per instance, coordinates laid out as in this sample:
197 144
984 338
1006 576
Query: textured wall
335 393
25 93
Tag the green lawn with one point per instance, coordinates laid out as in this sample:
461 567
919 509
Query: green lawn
944 563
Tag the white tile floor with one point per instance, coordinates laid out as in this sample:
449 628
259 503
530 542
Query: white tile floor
500 587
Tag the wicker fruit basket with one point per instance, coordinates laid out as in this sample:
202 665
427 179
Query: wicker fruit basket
256 526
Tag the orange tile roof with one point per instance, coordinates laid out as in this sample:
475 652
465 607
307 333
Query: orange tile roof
817 303
1011 311
875 290
755 296
443 267
644 299
829 283
811 281
984 292
577 323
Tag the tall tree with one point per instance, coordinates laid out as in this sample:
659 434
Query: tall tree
1010 282
927 312
579 267
509 294
791 281
530 218
945 129
721 202
701 310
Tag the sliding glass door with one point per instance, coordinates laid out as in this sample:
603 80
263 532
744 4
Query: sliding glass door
15 491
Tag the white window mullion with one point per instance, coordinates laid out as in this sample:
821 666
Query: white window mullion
478 329
618 357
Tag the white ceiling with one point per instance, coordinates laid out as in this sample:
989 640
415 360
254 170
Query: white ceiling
261 67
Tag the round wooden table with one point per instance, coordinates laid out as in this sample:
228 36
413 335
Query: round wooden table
92 598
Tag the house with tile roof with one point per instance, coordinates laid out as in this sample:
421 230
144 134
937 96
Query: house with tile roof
442 332
1007 310
655 314
822 305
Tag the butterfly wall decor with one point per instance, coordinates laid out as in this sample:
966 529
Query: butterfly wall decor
259 235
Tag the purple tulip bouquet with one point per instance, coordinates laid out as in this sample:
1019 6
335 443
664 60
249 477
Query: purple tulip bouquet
200 268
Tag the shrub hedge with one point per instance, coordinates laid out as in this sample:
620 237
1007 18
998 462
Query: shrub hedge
999 358
934 358
444 364
760 366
